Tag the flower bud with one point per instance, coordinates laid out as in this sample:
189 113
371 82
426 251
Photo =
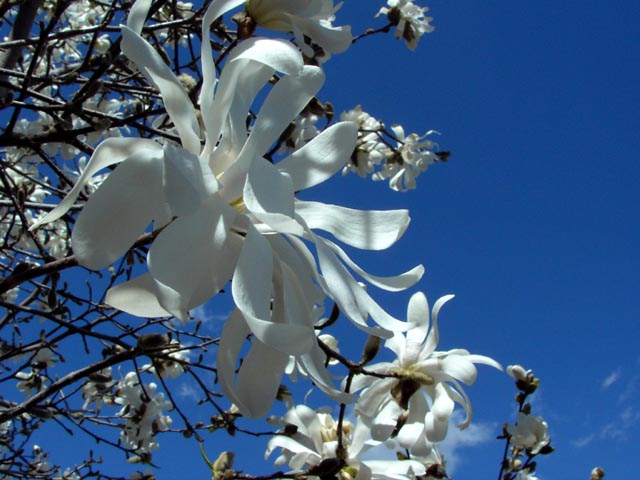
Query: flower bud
371 349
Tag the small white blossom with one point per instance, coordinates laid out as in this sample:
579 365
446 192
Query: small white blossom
309 438
419 369
530 433
409 19
143 411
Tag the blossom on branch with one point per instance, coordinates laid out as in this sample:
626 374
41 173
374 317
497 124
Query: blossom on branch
409 19
310 18
310 440
398 405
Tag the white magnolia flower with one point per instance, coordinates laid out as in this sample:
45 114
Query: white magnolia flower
229 213
143 411
370 151
530 433
419 369
303 17
412 156
410 20
309 438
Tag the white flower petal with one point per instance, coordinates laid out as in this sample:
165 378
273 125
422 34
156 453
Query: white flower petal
136 297
109 152
418 315
259 379
395 283
322 157
364 229
285 100
119 211
434 336
175 98
251 288
187 273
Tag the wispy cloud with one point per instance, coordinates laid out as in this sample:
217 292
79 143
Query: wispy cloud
583 441
477 433
209 319
612 378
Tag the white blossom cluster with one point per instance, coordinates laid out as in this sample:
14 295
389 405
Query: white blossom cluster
409 19
143 412
375 154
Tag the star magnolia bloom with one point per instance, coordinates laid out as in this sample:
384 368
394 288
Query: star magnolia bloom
421 370
530 432
316 440
410 20
302 17
229 213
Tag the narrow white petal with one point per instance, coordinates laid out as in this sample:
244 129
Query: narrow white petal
189 271
259 378
395 283
285 100
252 289
119 211
322 157
138 15
365 229
418 315
136 297
110 152
176 100
434 336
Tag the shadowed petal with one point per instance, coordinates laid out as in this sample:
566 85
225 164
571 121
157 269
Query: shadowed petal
119 211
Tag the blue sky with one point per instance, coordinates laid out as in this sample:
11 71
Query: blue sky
532 223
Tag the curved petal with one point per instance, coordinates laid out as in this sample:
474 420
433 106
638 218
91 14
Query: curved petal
175 98
109 152
434 336
395 283
259 379
285 100
136 297
322 157
331 39
119 211
206 98
273 54
268 194
189 271
418 315
252 292
364 229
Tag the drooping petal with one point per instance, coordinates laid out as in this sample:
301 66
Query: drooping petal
136 297
259 378
119 211
251 288
175 98
110 152
364 229
395 283
189 271
322 157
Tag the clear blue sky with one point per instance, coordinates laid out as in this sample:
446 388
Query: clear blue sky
533 223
